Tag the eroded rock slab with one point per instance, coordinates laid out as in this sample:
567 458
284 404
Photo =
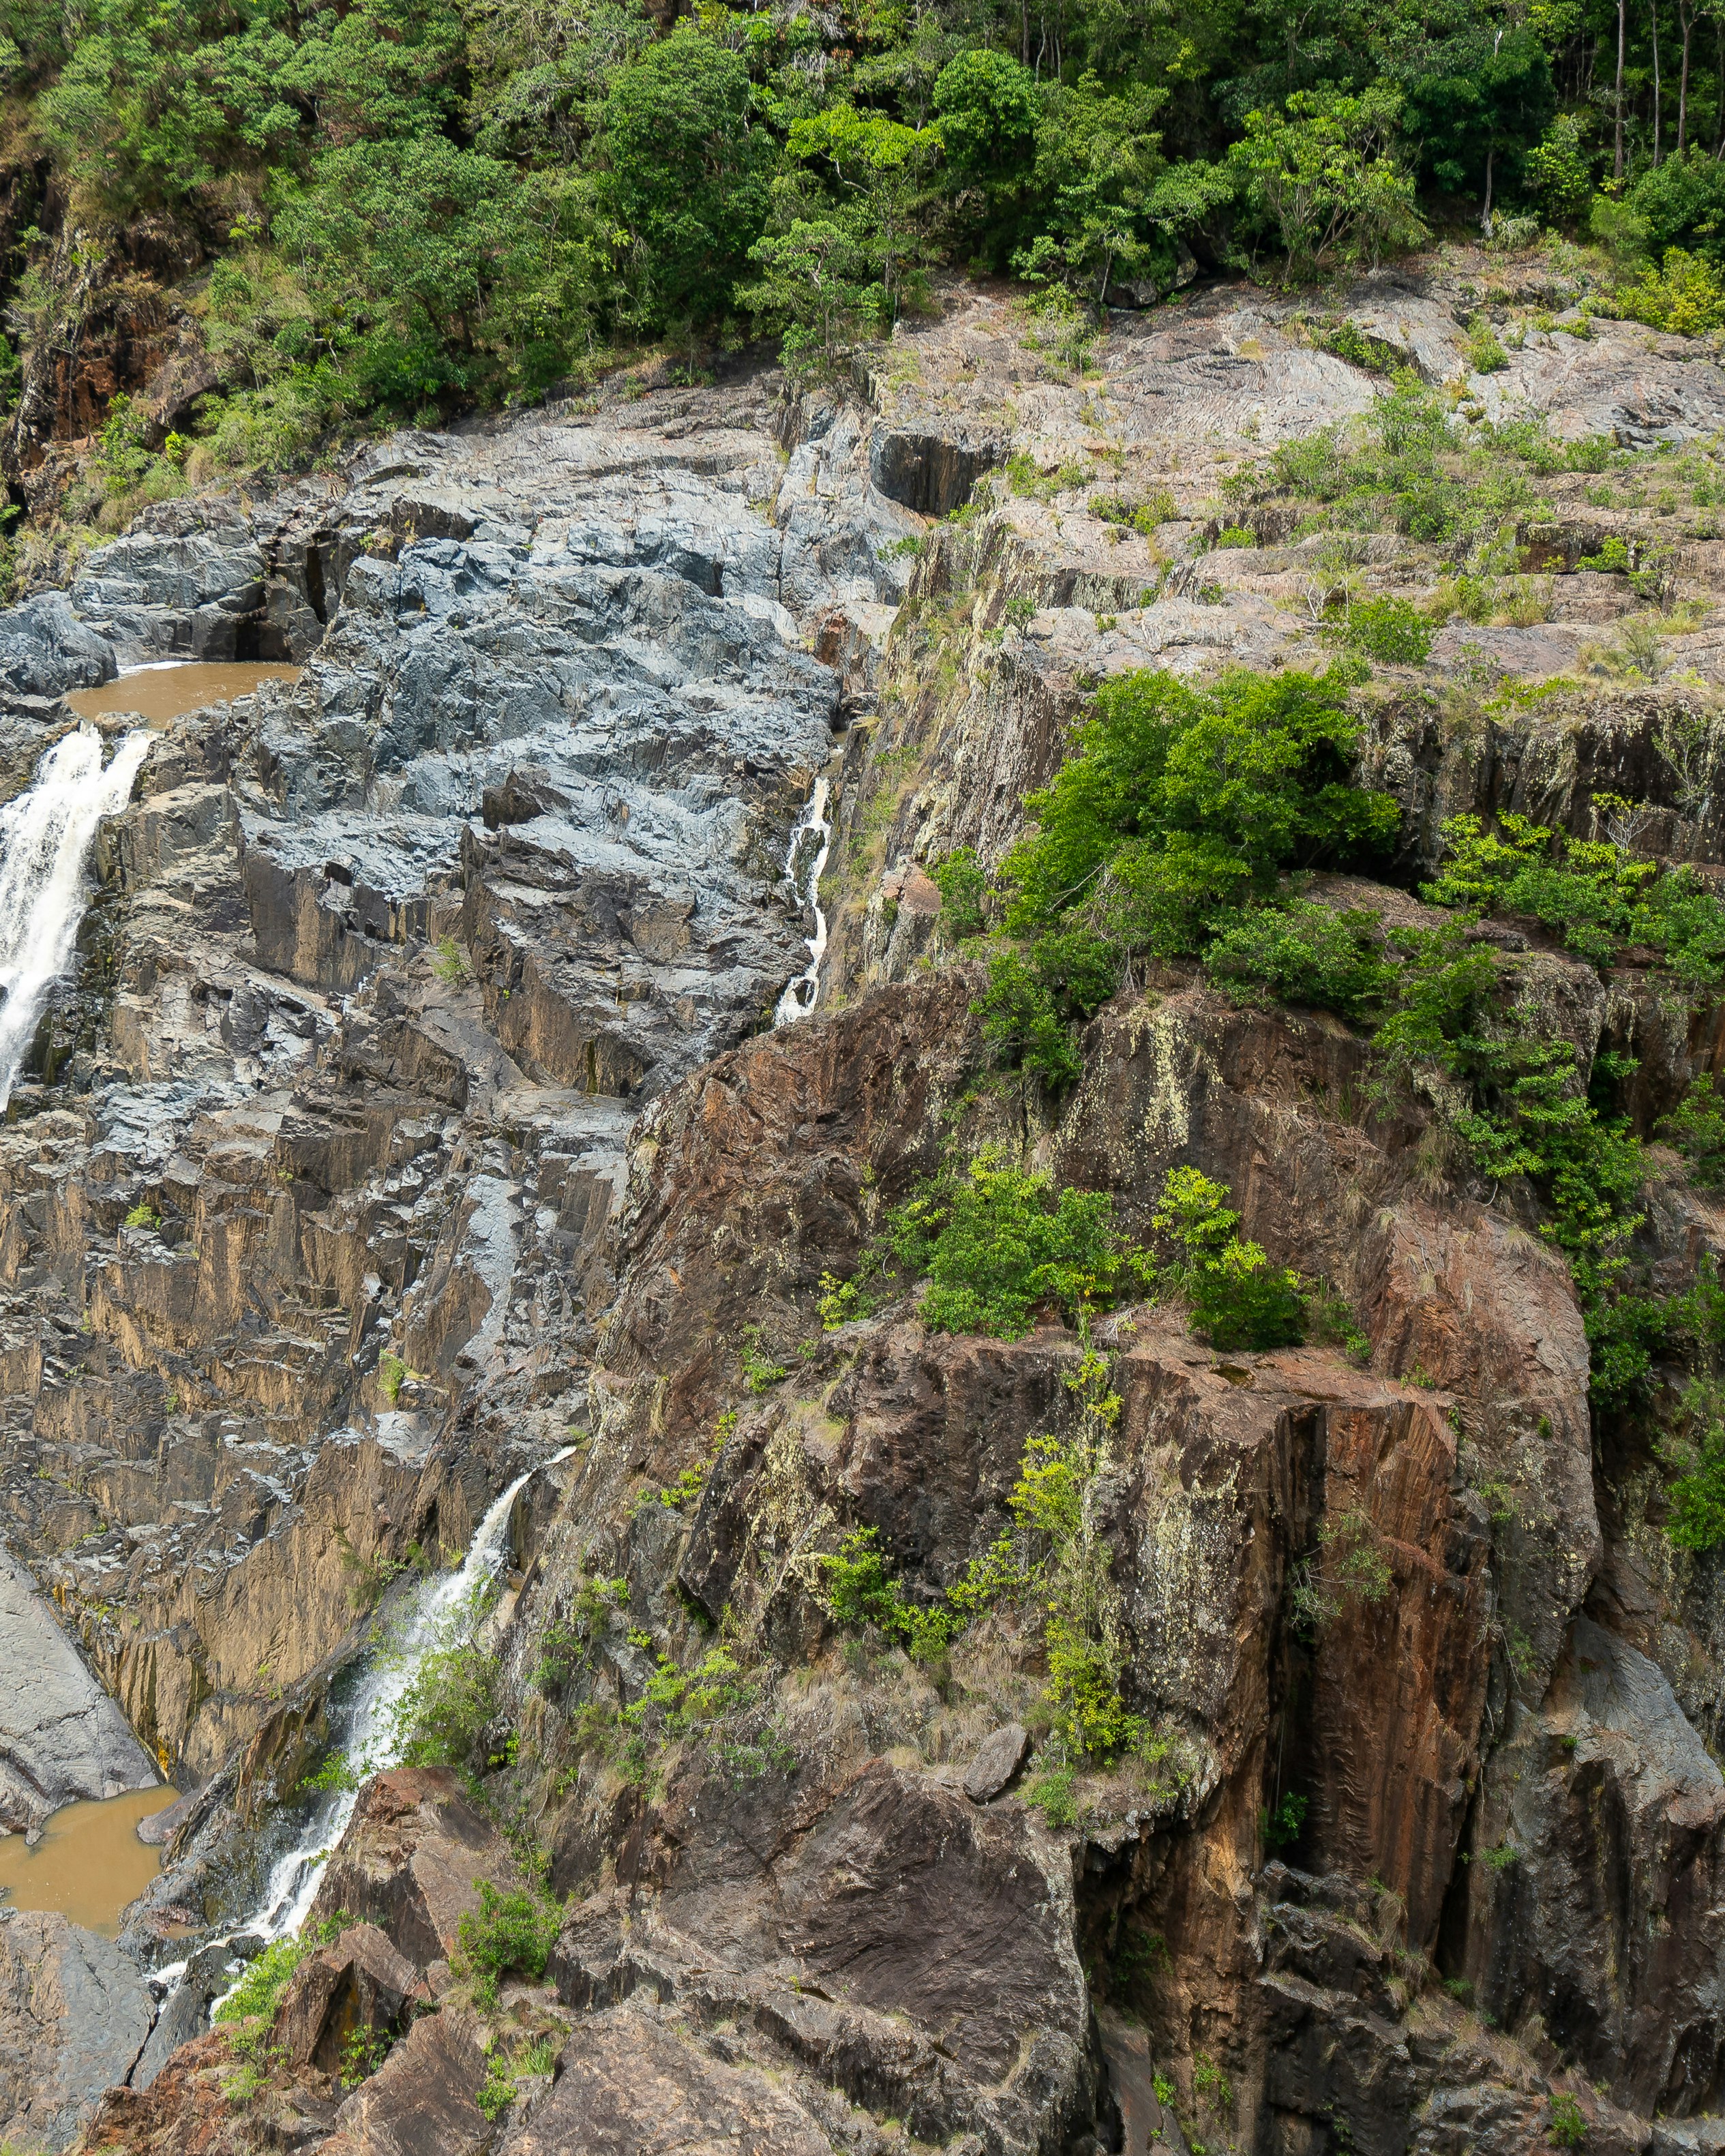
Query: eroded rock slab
61 1736
74 2016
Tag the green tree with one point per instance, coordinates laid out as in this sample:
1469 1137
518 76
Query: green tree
686 176
1320 175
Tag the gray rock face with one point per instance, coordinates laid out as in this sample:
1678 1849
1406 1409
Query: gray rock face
74 2016
1605 1803
999 1758
178 592
61 1736
45 649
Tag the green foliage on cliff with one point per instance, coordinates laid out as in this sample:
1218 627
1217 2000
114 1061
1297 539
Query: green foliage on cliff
1177 809
1239 1299
994 1242
512 1929
1051 1570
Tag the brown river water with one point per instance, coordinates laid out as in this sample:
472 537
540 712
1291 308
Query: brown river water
89 1863
159 693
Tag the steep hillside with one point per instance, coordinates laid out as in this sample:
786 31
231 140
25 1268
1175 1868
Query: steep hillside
1109 1540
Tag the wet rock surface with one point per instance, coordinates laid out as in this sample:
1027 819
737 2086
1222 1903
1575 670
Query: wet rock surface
61 1736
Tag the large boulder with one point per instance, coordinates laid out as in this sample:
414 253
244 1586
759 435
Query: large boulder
74 2015
358 1983
411 1861
46 650
61 1736
882 1937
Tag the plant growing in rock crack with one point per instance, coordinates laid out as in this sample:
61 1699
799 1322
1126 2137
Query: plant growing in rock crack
1567 2124
1348 1569
448 961
760 1373
513 1929
568 1642
364 2051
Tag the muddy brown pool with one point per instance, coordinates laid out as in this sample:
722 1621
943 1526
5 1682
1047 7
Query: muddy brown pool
164 692
89 1863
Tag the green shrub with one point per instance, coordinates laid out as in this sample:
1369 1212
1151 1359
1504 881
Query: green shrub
994 1242
1177 808
1239 1299
1685 297
963 887
451 1695
1696 1127
1594 893
1484 354
511 1929
1304 953
1390 630
1567 2125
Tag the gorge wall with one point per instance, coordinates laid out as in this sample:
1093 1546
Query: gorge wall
415 1122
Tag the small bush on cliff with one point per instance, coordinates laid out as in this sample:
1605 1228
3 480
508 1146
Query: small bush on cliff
514 1929
1177 808
1239 1299
994 1242
451 1695
1696 1127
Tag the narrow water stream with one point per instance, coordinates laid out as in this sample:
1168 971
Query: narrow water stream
805 863
89 1863
370 1741
161 692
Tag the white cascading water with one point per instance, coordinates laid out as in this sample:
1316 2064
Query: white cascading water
45 838
371 1741
799 998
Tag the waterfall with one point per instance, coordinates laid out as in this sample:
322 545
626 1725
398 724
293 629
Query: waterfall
370 1739
45 837
799 998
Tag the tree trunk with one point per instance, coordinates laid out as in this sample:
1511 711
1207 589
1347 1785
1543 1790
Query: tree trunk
1686 16
1653 10
1486 214
1617 149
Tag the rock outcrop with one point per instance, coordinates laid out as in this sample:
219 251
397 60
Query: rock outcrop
417 1123
74 2016
61 1736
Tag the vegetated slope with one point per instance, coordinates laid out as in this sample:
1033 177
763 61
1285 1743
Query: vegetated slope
1138 1558
235 233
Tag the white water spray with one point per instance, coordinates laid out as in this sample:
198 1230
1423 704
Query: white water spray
45 837
799 998
373 1739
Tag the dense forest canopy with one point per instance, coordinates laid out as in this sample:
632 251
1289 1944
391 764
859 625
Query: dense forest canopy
413 204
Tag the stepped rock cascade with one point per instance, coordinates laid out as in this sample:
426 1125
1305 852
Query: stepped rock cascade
45 838
409 1184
